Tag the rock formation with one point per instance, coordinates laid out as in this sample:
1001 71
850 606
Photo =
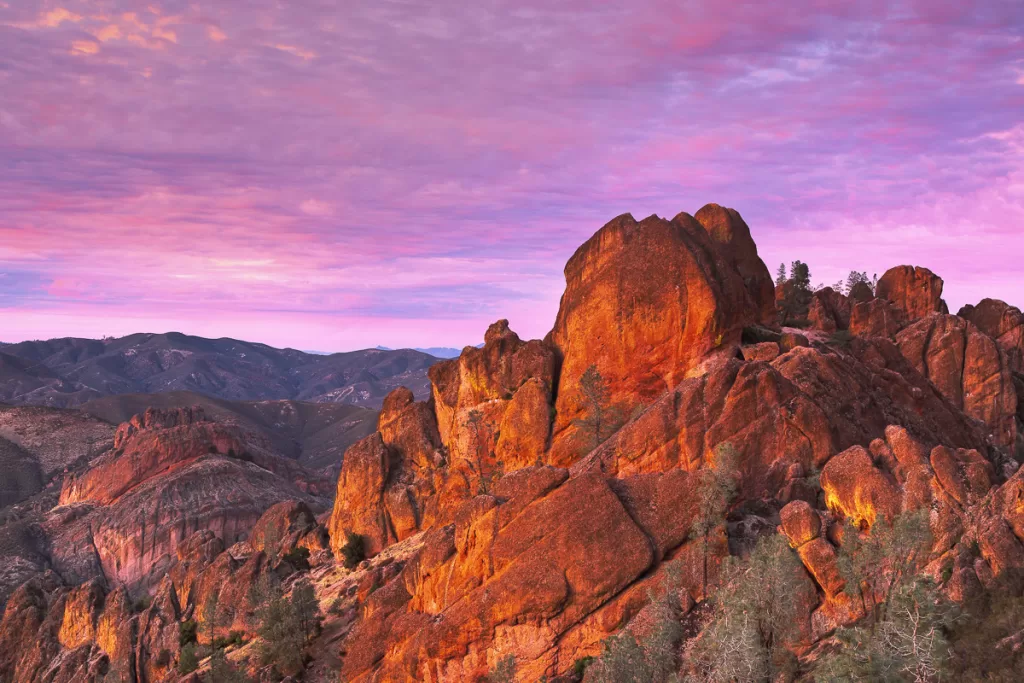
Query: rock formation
551 492
968 367
916 291
643 334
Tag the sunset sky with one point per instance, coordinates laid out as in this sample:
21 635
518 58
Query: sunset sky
404 173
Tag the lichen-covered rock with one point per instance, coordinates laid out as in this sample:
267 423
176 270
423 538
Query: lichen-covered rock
800 523
858 490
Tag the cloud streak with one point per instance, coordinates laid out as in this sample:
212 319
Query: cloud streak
403 174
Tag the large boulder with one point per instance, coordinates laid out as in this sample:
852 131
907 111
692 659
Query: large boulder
514 579
968 368
918 291
829 311
642 335
876 318
1002 322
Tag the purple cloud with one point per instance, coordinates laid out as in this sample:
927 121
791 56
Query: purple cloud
404 174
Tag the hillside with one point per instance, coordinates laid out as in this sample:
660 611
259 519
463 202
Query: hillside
314 434
69 372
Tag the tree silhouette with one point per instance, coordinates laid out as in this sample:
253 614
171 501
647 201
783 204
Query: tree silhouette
600 418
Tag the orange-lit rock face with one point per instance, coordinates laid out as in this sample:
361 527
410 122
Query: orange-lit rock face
1002 322
81 614
644 303
473 392
514 578
729 230
829 311
876 318
359 504
855 488
968 368
917 291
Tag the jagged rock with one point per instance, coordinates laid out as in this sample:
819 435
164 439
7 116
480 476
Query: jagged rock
968 368
643 334
503 589
829 311
916 291
473 393
1002 322
861 291
728 228
359 505
876 318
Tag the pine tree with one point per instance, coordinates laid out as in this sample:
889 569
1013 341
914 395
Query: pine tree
306 607
600 419
715 488
754 616
187 660
780 275
903 634
281 640
223 671
211 612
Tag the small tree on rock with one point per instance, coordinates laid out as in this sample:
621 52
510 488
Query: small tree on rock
599 418
306 607
716 487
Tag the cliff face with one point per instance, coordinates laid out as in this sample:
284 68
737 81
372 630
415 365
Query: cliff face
531 507
562 547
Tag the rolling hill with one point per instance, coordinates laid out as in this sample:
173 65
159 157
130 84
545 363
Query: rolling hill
70 371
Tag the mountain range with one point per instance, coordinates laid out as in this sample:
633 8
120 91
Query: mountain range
71 371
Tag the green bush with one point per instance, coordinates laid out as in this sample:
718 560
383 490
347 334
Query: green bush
580 667
187 632
354 550
232 638
188 662
298 558
142 604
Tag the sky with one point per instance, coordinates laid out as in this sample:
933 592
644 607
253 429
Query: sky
337 175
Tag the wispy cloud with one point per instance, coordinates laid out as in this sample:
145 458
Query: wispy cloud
333 176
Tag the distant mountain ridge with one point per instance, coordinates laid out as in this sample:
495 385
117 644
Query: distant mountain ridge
445 352
70 371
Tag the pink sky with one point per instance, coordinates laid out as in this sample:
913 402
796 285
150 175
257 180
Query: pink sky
405 173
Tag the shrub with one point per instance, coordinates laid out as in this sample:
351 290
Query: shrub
142 604
188 662
354 550
232 638
298 558
163 658
187 632
580 667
